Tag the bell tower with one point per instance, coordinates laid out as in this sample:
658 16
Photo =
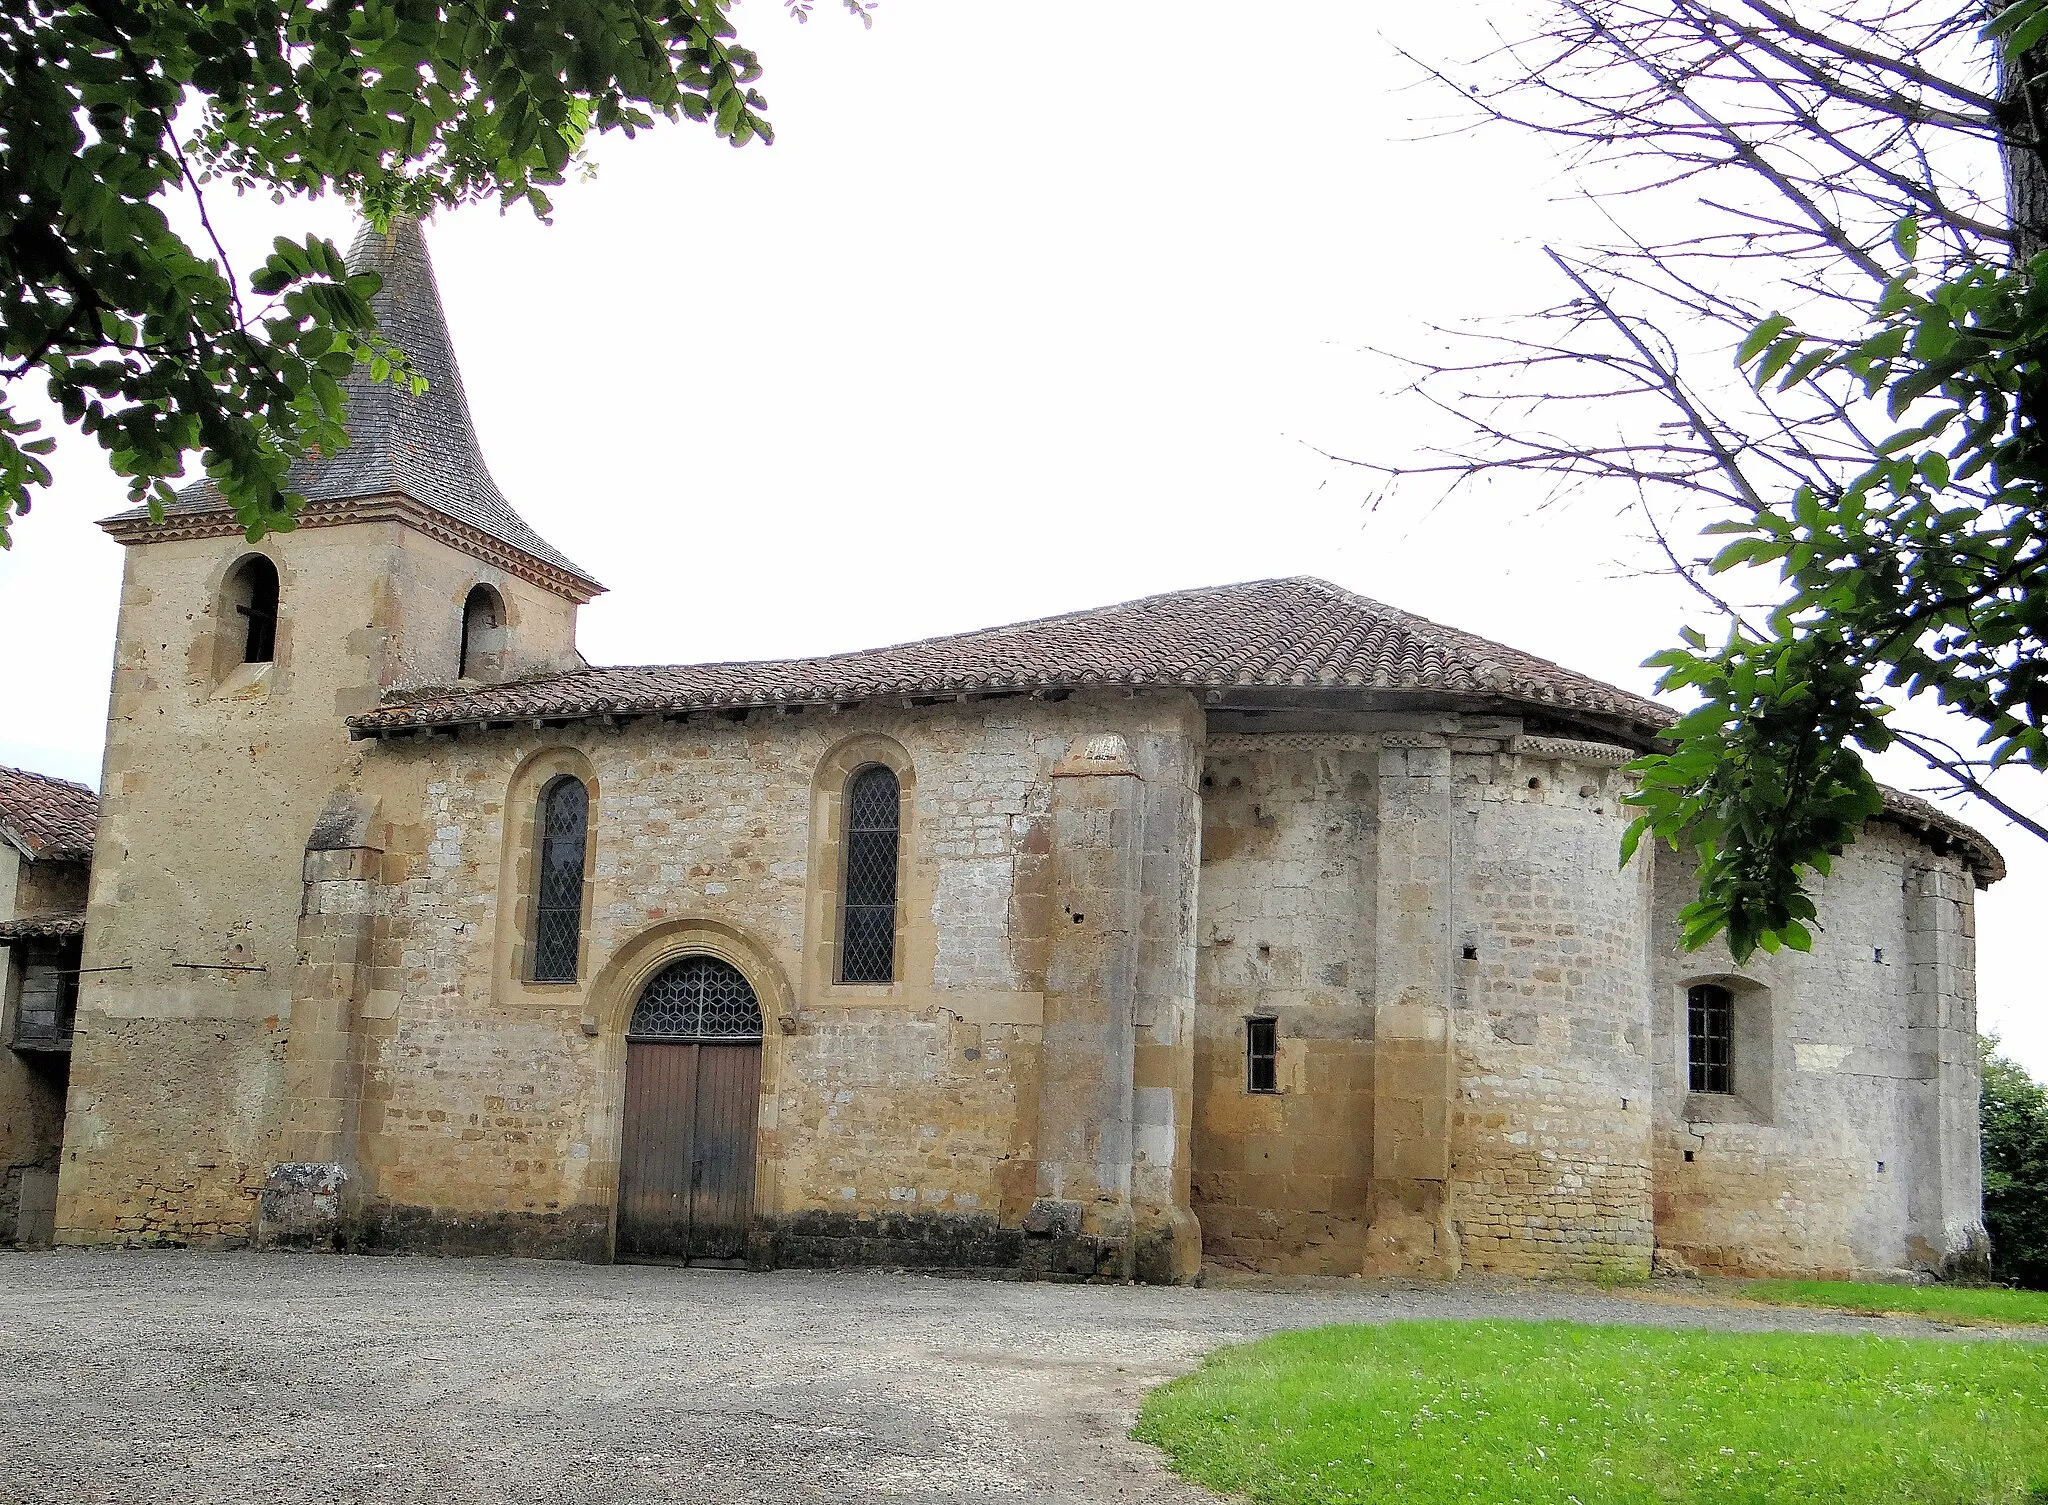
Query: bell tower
228 758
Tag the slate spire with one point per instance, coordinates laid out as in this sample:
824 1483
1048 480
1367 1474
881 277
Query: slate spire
424 446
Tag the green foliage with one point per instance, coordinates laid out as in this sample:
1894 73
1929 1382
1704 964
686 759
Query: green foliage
1926 573
2014 1115
1988 1306
107 107
1551 1413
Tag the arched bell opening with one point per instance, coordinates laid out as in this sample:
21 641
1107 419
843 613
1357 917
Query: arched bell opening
482 652
693 1087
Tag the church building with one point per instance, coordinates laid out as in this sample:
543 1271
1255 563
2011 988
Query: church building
1262 926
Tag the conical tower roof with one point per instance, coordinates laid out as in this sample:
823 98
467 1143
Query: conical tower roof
419 446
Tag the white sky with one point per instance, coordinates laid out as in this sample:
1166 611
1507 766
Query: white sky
1024 312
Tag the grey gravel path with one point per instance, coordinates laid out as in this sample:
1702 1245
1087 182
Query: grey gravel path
252 1378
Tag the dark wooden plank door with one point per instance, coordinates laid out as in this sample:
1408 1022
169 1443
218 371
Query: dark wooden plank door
686 1157
655 1150
728 1103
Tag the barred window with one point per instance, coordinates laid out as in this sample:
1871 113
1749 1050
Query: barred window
697 998
867 914
1262 1055
558 920
1710 1036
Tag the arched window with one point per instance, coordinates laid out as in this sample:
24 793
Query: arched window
558 918
483 634
697 998
867 908
1710 1037
252 598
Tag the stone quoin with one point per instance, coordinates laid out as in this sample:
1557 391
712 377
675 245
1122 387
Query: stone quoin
1264 925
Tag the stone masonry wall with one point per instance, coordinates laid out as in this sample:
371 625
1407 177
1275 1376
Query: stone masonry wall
1535 1160
1552 1121
1815 1162
491 1104
216 773
1286 929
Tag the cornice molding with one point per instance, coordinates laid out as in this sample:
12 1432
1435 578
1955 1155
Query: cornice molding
1600 754
390 507
1247 742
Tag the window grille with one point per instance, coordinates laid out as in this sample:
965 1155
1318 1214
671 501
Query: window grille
258 583
867 923
1262 1055
697 998
1710 1037
558 922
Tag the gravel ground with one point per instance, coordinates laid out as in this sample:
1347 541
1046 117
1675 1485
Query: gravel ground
241 1377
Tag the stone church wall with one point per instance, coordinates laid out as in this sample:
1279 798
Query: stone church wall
1504 927
1286 930
1847 1145
305 961
1553 1112
216 774
898 1122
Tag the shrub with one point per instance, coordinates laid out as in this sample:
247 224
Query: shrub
2014 1110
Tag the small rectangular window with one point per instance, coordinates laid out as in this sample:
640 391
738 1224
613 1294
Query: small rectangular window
1710 1037
1262 1055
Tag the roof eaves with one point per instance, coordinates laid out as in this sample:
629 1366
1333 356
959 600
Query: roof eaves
136 526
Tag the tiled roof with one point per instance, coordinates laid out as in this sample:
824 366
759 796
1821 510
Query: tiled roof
47 927
51 819
1265 633
1934 824
424 447
1293 633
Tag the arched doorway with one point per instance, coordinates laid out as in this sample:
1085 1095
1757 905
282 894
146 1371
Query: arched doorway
693 1085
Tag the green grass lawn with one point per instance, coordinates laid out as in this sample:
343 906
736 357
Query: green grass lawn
1974 1304
1554 1413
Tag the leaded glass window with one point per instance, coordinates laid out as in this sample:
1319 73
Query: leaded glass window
867 920
697 998
558 921
1710 1037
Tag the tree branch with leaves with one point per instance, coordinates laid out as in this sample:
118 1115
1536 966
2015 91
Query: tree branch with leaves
1864 191
111 108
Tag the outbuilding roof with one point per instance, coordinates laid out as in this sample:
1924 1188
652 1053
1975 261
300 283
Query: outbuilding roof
423 447
49 819
1298 632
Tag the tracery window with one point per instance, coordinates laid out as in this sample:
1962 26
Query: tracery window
697 998
867 911
558 918
253 595
1710 1037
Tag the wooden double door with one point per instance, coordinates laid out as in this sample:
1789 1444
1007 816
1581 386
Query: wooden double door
686 1163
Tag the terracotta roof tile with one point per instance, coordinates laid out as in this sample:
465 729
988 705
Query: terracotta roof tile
46 927
1265 633
51 819
1929 821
